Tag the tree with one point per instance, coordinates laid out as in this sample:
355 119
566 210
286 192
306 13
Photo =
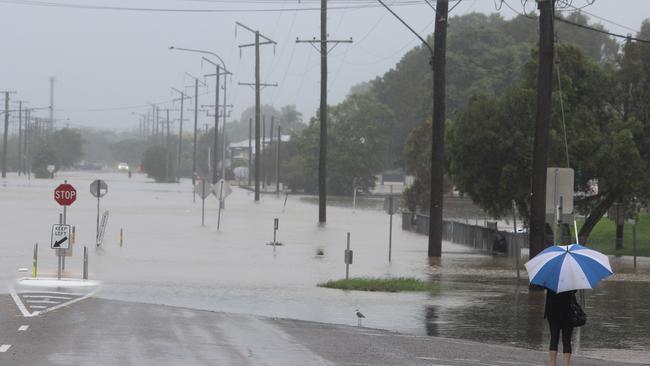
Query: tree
357 150
67 144
156 162
490 142
43 156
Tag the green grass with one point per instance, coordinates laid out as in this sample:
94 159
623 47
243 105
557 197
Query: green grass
603 237
382 284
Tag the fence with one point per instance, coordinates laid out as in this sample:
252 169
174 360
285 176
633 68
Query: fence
481 238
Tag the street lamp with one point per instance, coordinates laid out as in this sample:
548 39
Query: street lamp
216 109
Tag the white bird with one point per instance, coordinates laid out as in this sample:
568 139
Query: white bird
359 317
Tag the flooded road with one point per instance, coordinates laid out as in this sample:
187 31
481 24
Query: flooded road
168 258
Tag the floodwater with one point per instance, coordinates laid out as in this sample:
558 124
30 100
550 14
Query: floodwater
167 257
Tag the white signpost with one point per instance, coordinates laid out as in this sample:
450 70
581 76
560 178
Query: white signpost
102 228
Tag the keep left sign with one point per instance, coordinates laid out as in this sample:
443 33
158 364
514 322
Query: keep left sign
60 237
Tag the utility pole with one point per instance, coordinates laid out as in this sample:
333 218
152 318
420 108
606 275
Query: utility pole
322 156
542 123
196 122
269 159
4 137
215 150
250 150
438 64
262 151
277 162
223 132
51 104
166 139
20 135
24 158
180 135
258 86
438 128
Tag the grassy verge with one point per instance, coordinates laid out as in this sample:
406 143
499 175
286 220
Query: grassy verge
603 237
382 284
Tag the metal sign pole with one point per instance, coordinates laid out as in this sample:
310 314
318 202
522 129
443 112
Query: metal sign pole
347 262
64 222
85 274
58 254
220 204
203 202
390 229
35 266
97 231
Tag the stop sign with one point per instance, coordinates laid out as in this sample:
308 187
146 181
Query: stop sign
65 194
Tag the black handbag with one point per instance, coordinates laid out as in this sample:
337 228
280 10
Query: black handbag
577 316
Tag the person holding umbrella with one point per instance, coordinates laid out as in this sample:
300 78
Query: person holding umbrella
556 311
562 270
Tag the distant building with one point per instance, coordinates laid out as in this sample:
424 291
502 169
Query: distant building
239 150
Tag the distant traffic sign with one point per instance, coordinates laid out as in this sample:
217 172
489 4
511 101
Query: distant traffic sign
202 188
221 189
98 188
60 237
391 204
65 194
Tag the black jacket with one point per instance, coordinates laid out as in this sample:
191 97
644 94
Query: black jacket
557 305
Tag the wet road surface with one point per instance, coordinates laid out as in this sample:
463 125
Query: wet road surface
107 332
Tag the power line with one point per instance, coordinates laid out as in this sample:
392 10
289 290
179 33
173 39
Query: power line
601 30
587 27
188 10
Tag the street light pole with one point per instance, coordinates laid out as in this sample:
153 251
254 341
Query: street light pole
216 104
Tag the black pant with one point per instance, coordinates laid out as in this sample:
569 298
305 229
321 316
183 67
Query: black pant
566 329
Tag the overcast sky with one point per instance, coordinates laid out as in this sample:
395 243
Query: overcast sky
109 64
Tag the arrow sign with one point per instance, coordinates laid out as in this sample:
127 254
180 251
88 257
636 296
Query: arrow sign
60 237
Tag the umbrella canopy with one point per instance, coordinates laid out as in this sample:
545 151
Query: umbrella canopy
568 267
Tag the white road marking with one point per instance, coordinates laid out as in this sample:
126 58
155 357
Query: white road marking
27 314
46 296
46 301
51 292
21 306
23 328
91 293
4 348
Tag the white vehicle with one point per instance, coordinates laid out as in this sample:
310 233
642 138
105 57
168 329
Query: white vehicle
123 167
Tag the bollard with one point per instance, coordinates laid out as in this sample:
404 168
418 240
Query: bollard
276 225
35 264
121 237
634 243
348 259
517 257
85 263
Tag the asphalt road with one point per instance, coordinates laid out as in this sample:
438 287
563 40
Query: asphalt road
106 332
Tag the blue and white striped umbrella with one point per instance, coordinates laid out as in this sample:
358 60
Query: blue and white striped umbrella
568 267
